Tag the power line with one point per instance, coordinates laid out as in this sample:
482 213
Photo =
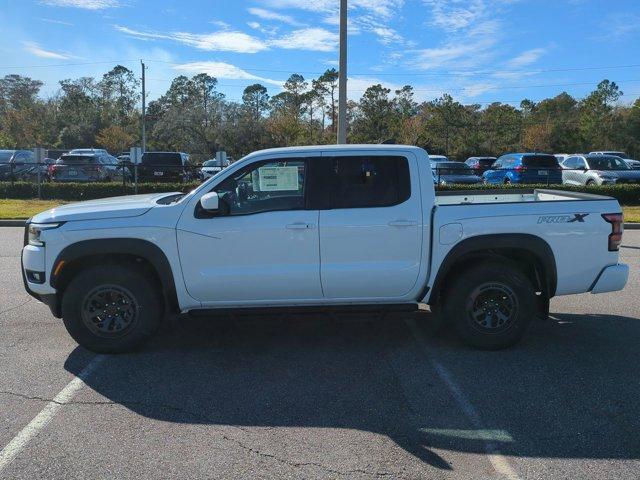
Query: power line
453 73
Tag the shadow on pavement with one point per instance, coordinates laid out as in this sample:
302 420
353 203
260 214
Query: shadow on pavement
569 390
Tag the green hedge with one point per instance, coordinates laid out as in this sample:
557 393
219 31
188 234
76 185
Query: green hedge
86 191
626 194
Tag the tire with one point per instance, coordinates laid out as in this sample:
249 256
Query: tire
590 183
133 317
498 288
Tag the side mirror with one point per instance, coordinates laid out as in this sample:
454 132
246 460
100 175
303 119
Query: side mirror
210 202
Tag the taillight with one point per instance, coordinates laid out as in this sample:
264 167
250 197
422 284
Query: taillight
617 227
519 169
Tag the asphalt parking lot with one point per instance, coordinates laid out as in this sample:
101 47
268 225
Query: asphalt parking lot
322 396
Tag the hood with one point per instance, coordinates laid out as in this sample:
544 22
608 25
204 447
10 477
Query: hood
626 174
104 208
461 178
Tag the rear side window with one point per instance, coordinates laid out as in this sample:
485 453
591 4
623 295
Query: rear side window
369 181
548 161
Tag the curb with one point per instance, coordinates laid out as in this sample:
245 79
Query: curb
12 223
20 223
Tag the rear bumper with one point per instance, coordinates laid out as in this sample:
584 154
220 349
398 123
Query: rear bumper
611 279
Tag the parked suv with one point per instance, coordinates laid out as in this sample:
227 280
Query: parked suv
597 170
531 168
87 167
164 167
480 164
19 164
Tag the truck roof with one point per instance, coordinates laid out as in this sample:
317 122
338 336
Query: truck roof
315 148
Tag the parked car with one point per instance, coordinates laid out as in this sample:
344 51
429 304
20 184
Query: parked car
17 165
164 167
634 164
561 157
610 153
88 151
87 167
438 158
454 172
480 164
210 168
324 226
597 170
531 168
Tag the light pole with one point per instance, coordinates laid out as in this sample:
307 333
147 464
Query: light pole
342 79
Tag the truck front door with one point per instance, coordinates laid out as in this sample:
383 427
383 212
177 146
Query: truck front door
261 246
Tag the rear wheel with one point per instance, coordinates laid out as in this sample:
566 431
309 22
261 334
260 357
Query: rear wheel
591 183
111 308
490 305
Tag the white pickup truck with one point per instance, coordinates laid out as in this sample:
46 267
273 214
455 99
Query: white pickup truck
321 227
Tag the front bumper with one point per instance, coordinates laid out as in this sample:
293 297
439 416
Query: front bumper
33 260
611 279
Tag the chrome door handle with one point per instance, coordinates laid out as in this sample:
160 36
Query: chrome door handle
298 226
402 223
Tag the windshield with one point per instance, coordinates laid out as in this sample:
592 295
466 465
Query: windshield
211 163
161 158
607 163
5 155
453 168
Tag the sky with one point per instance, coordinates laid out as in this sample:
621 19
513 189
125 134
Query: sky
478 51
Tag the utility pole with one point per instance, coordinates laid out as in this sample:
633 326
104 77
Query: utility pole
144 110
342 79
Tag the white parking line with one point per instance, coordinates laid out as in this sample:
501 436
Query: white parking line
20 441
499 462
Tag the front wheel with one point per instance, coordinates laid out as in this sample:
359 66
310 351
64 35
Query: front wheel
111 308
490 305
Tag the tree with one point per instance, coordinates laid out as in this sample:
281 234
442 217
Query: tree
328 86
373 123
256 100
115 139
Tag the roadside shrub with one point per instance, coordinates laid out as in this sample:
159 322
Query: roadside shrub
85 191
625 194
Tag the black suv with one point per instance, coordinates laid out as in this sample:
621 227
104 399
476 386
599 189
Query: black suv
18 165
164 167
88 167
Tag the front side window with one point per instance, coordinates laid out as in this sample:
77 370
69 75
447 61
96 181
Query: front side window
369 181
264 187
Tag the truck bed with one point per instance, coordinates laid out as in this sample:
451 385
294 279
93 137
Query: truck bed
461 197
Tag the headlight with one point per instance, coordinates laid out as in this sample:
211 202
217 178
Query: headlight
35 232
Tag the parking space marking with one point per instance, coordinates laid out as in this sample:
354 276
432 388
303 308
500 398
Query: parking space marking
20 441
498 461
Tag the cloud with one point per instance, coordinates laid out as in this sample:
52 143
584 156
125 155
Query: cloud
224 70
527 58
35 49
85 4
221 41
57 22
317 39
461 54
270 15
455 15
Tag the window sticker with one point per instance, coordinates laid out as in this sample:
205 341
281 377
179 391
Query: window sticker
275 179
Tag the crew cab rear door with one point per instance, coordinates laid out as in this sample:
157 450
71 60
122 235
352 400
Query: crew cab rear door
371 226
